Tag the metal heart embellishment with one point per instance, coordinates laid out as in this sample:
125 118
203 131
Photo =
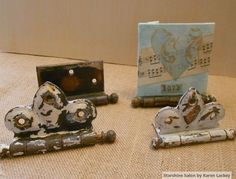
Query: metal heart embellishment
191 113
176 53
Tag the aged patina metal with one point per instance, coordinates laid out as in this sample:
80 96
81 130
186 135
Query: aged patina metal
54 142
52 123
154 101
160 101
101 98
192 137
193 120
79 80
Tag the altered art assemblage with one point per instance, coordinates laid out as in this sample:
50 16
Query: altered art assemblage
172 63
52 123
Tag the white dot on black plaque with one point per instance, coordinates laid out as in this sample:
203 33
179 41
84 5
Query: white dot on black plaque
71 72
94 81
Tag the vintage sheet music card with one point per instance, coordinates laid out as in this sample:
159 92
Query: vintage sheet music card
173 57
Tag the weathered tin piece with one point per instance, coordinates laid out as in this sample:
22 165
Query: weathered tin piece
154 101
54 142
193 120
192 137
160 101
80 80
52 123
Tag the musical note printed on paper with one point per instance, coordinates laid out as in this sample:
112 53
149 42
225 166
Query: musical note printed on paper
173 54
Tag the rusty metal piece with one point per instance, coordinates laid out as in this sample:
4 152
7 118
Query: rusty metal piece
154 101
50 112
101 98
192 137
80 80
193 120
161 101
55 142
52 123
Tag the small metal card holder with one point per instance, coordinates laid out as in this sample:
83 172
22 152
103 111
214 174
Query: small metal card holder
52 123
80 80
191 121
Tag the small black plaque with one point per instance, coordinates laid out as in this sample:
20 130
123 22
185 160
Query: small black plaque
79 80
74 79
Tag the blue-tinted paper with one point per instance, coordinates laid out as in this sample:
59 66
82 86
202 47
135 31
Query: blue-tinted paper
173 57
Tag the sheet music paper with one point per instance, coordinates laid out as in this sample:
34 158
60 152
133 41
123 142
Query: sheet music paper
173 57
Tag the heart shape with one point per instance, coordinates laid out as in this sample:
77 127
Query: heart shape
176 52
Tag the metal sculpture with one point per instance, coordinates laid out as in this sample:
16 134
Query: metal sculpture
191 121
52 123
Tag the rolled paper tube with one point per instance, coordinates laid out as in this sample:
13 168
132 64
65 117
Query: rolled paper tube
54 142
192 137
104 99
